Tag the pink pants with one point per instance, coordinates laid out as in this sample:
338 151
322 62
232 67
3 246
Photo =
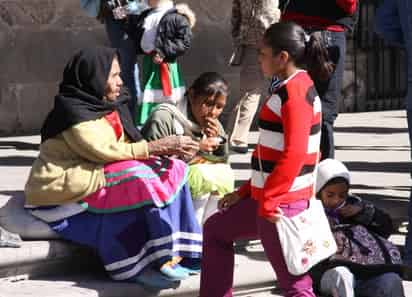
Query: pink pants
241 222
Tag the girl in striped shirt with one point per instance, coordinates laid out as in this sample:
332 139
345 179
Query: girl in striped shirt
282 164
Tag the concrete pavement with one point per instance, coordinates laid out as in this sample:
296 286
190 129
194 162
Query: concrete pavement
373 145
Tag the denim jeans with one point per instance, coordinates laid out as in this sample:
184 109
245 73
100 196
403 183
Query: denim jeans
128 59
343 281
402 9
330 91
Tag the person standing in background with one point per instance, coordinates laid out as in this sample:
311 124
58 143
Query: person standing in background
332 22
118 39
394 24
250 19
163 34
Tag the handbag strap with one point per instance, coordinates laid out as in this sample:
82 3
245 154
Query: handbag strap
316 170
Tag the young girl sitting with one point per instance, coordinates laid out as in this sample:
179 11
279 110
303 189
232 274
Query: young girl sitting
163 33
196 115
360 230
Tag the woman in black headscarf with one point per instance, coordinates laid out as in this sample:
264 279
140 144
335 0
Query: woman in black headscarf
98 183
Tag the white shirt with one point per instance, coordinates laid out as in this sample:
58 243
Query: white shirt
150 25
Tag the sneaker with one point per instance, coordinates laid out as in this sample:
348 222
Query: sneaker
191 270
191 265
8 239
174 272
239 149
154 280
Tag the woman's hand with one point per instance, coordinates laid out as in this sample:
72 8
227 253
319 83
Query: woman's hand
182 146
276 216
209 144
211 129
228 200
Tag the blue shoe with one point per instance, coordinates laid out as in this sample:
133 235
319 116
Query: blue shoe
155 280
174 273
192 266
191 271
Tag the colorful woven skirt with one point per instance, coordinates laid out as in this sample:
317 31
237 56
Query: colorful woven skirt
161 84
143 217
133 184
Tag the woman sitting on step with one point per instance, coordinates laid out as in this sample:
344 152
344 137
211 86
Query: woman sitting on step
97 182
196 115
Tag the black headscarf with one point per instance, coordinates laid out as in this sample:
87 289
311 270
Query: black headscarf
81 92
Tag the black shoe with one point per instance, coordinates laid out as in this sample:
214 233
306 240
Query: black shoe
239 149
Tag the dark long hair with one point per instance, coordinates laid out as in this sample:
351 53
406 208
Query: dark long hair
210 84
305 50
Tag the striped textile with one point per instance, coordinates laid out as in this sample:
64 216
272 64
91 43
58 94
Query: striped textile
285 157
129 241
274 84
153 88
136 183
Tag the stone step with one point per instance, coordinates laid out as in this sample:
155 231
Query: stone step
40 258
253 277
89 286
378 159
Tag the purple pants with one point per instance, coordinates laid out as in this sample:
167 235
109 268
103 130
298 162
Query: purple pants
242 222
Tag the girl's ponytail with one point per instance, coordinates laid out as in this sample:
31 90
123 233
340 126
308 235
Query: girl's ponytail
317 58
306 50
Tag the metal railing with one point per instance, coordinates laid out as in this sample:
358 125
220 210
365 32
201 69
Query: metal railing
380 70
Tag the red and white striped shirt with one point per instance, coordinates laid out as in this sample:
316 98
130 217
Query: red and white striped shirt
289 126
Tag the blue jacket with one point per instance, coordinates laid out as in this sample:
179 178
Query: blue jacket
388 22
393 22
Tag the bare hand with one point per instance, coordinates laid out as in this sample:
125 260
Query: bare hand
157 59
211 129
228 200
187 147
209 144
276 216
182 146
350 210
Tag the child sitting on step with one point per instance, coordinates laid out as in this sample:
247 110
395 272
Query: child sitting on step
366 263
196 115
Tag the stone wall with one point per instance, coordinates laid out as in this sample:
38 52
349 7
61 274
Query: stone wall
38 36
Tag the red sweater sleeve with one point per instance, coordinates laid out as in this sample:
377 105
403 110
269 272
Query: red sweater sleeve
297 121
349 6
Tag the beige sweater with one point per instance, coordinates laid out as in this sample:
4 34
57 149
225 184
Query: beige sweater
70 165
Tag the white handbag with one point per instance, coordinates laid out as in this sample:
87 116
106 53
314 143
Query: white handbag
306 239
